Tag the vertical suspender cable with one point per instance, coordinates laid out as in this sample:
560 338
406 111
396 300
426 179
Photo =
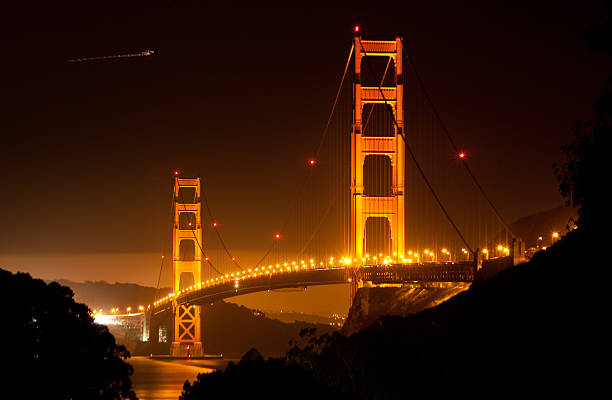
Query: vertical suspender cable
317 152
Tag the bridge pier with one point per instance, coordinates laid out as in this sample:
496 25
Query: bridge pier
187 336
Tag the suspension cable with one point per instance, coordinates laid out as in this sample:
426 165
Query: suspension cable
324 135
452 142
401 132
163 244
203 192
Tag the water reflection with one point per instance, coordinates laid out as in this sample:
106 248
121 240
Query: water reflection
157 379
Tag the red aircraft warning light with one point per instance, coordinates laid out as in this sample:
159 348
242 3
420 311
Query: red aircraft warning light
214 224
175 173
462 155
356 28
311 162
277 236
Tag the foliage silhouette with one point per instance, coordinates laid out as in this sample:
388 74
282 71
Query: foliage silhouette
54 348
271 379
582 176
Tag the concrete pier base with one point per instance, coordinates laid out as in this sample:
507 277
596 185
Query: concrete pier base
186 350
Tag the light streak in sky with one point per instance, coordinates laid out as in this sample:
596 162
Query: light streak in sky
144 53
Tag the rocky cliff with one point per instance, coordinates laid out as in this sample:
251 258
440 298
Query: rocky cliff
371 303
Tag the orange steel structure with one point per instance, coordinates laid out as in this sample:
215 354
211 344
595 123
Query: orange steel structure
187 338
363 206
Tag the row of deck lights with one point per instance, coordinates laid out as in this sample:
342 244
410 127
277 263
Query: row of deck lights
116 310
285 267
413 257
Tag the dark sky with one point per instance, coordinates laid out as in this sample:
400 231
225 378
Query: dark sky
239 94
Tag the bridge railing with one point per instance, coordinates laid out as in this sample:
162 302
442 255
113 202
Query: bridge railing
427 272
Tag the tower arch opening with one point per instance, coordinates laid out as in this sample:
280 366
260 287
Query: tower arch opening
373 70
186 280
187 195
185 218
378 236
377 120
377 176
187 250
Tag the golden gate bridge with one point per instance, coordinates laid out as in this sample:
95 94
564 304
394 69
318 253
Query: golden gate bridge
388 198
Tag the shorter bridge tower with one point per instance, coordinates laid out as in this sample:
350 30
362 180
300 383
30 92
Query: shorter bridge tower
186 260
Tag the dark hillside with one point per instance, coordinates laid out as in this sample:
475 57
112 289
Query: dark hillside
106 295
543 224
233 329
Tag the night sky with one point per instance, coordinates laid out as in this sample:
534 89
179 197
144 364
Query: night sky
239 95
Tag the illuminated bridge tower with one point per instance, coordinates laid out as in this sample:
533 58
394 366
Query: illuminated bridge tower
187 264
364 206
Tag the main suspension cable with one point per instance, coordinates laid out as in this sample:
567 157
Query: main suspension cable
203 192
452 142
163 257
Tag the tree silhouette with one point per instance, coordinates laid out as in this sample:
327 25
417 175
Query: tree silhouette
582 176
53 347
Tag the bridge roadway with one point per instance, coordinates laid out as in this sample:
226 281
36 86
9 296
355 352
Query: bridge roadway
246 283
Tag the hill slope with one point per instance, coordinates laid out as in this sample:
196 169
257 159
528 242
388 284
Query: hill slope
543 224
104 295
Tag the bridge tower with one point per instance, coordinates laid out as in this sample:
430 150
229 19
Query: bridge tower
364 206
186 260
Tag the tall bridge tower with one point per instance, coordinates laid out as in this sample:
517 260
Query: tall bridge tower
186 263
364 206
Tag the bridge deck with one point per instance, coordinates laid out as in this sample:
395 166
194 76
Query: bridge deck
270 280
